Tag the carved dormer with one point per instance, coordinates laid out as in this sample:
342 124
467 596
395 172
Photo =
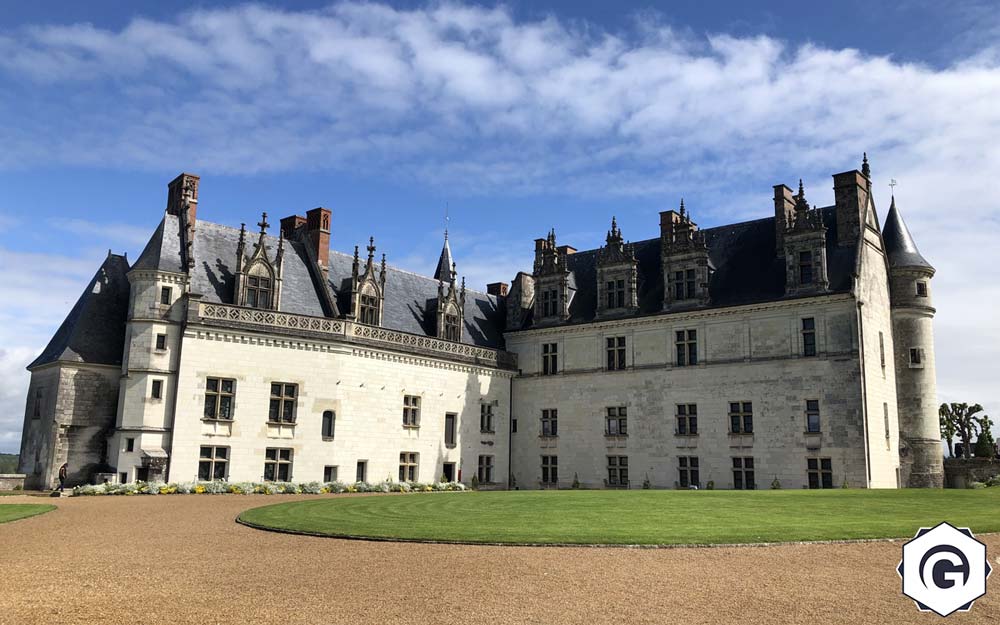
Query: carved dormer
617 276
450 308
553 290
687 269
258 277
367 290
805 249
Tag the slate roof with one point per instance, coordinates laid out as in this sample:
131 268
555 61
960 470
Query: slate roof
747 269
94 330
899 245
410 299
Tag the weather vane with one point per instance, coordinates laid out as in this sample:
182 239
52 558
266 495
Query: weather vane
892 185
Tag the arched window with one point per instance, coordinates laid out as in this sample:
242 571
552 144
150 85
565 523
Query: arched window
260 286
329 424
452 325
369 305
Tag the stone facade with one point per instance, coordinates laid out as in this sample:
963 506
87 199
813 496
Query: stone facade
774 351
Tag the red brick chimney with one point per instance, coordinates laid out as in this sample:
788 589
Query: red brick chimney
318 231
175 196
498 289
290 224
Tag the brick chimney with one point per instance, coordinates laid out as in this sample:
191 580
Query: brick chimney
318 234
498 289
175 196
290 224
850 189
784 215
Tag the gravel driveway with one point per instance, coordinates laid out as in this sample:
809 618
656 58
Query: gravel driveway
182 559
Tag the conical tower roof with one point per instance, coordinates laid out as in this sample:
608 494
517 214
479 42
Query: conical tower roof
443 271
899 245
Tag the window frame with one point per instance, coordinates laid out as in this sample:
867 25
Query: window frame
813 414
213 461
809 337
741 417
921 288
550 423
686 347
409 466
688 471
615 294
278 462
550 358
411 411
219 395
486 421
819 472
616 421
156 389
328 425
550 470
361 470
278 404
450 429
452 328
615 348
368 313
166 296
160 342
806 268
744 473
617 467
484 472
686 414
330 471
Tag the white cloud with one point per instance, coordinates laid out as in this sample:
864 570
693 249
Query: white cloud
472 100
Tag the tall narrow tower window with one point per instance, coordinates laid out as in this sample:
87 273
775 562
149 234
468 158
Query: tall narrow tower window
805 268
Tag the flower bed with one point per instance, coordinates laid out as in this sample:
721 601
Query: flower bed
263 488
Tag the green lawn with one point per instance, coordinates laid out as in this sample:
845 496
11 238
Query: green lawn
15 511
637 517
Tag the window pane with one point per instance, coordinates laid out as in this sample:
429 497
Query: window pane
221 452
220 471
811 464
825 464
212 384
290 390
276 390
225 407
204 471
210 406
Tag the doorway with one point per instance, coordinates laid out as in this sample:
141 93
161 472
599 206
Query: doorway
449 472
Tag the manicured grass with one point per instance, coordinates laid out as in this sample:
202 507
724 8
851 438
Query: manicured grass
15 511
638 516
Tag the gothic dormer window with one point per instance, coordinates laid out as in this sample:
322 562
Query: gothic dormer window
687 269
450 303
553 283
258 277
804 244
367 289
617 275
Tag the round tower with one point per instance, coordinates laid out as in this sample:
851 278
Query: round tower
921 457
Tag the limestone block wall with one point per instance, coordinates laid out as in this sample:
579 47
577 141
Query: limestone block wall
78 416
363 387
745 354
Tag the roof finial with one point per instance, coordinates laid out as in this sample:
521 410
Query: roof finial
864 166
371 247
802 190
682 207
263 223
447 220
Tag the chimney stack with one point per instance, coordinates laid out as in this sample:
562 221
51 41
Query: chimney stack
784 215
318 231
175 197
498 289
290 224
850 189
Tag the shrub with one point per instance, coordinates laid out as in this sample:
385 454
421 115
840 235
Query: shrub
993 481
475 482
845 484
18 487
977 485
576 482
775 484
645 483
710 485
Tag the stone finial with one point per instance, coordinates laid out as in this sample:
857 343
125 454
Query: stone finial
371 248
865 169
263 223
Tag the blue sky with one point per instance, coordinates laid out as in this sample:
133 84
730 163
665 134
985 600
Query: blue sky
518 117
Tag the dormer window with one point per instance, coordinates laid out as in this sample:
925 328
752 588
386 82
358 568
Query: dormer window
367 288
259 288
369 307
805 268
684 284
616 293
550 303
452 328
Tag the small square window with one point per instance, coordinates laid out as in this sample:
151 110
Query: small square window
161 342
921 289
157 391
129 444
329 474
166 295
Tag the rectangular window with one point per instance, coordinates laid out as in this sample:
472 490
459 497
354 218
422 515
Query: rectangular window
916 357
689 282
486 418
808 336
407 466
36 410
277 464
219 398
615 347
687 419
741 417
885 417
123 478
550 358
678 285
157 391
362 471
369 310
329 474
452 328
812 415
881 351
449 429
329 424
616 421
129 444
213 463
743 474
282 406
805 268
258 292
550 469
550 303
165 295
485 473
616 293
411 411
688 471
618 471
921 289
550 422
820 471
161 342
513 425
686 342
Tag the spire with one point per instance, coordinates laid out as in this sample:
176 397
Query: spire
445 261
899 245
865 169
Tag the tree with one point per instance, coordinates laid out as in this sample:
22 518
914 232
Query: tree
964 420
985 447
947 428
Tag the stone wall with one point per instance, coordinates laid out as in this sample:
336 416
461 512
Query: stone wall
960 473
12 481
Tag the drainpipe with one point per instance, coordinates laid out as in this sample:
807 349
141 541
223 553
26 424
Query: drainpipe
510 429
864 390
